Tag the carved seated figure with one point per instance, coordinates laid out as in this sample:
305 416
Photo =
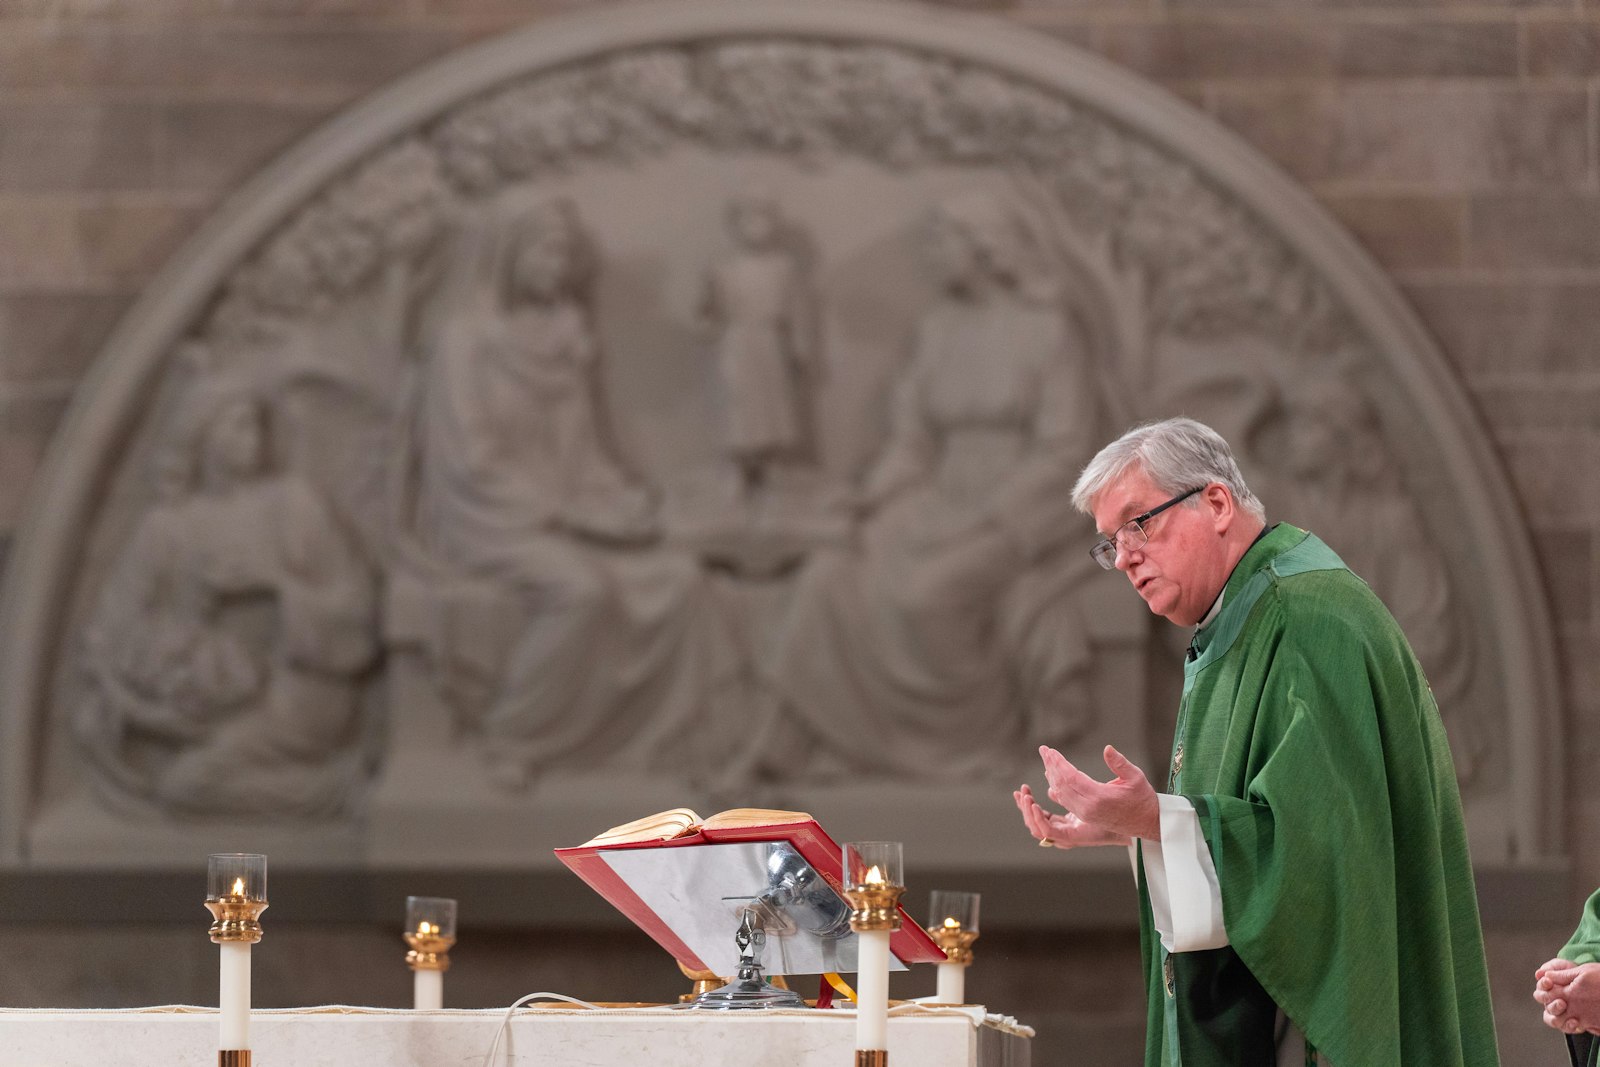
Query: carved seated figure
932 629
226 651
549 624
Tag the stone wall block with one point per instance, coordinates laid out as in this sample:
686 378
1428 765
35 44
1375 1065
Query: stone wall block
517 12
1565 403
72 245
1558 231
1415 8
1444 136
1545 468
1194 47
110 11
1567 559
214 145
1582 667
302 58
126 243
41 249
1189 49
52 336
312 62
1405 232
1502 326
1420 48
1563 48
27 422
56 145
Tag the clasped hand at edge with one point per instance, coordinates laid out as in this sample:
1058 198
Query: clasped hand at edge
1097 813
1570 995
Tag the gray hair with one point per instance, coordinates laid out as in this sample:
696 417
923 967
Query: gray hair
1177 454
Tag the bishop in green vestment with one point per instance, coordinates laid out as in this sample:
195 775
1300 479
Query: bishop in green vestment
1306 865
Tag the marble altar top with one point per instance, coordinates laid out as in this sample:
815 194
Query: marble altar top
337 1036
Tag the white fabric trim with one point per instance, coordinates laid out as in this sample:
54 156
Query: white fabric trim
1185 900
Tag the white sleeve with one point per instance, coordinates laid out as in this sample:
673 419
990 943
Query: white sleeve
1185 901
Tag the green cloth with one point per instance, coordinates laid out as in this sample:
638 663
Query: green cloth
1584 944
1312 750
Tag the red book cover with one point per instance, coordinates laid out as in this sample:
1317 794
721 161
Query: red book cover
688 902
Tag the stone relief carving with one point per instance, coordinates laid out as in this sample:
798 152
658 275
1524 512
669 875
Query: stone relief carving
226 650
921 630
533 568
702 502
759 306
528 579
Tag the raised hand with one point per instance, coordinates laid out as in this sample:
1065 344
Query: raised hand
1125 805
1062 831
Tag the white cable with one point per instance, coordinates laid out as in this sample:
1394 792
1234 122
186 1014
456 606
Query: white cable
488 1059
500 1031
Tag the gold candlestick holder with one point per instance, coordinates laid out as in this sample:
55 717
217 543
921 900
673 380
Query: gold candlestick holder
874 906
429 951
430 932
237 918
955 923
956 942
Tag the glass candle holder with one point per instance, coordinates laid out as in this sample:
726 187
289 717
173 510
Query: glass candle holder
430 932
236 876
950 909
431 917
873 864
953 925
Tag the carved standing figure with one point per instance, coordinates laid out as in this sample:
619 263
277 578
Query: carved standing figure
226 649
916 638
760 304
554 627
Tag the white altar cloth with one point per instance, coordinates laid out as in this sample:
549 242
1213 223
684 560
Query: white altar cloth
347 1037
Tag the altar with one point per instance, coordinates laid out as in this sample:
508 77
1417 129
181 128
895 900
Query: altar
336 1036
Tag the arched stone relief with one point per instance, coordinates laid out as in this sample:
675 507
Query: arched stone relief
688 399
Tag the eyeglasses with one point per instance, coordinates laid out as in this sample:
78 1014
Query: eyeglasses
1132 534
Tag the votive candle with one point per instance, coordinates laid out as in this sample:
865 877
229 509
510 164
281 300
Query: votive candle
236 895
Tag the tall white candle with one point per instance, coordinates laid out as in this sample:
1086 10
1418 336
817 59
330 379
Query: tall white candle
872 991
234 997
427 990
952 984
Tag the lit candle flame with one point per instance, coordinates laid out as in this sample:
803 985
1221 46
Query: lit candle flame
425 928
238 887
952 923
874 877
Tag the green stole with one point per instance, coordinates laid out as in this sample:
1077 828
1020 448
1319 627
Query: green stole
1309 743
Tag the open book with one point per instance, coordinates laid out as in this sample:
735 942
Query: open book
682 822
684 880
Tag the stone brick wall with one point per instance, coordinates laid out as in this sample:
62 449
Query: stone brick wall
1459 140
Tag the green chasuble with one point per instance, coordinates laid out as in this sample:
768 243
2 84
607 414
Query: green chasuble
1310 745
